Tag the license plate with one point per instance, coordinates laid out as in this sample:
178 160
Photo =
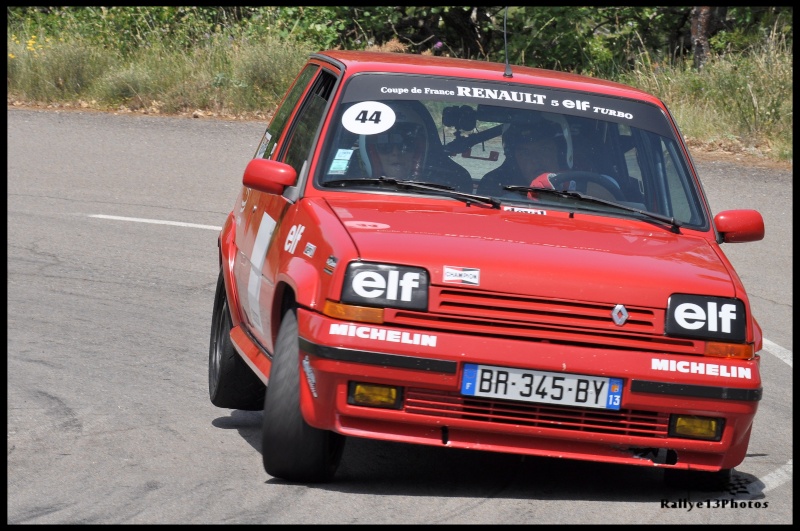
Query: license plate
542 387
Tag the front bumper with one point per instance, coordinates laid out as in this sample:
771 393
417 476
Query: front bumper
428 367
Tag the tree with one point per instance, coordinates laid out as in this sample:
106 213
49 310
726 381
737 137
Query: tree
706 21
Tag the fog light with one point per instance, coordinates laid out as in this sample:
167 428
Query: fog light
693 427
374 395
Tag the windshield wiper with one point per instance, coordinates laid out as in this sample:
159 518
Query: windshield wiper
674 224
436 188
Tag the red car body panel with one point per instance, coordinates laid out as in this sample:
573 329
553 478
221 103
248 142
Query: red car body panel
544 283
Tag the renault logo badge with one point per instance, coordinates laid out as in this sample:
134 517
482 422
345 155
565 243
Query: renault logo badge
619 314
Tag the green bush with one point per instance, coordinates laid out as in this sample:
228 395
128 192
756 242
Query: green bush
739 100
261 72
42 69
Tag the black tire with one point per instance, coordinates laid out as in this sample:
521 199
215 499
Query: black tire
292 450
695 480
231 382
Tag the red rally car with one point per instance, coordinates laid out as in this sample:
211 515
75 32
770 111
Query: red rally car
465 254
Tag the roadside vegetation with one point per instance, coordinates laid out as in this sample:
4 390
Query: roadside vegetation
236 62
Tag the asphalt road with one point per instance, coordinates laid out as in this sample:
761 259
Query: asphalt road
109 316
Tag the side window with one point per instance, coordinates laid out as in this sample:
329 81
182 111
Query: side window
668 186
684 204
281 117
305 126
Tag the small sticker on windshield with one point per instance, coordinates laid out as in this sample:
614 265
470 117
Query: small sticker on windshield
340 162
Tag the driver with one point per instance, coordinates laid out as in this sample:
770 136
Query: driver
400 152
410 150
530 151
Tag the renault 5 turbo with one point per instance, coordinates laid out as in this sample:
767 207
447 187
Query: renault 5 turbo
466 254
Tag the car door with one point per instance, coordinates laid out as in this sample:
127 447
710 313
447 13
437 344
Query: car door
291 138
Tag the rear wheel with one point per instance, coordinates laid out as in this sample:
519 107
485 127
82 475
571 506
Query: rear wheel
291 449
231 382
697 480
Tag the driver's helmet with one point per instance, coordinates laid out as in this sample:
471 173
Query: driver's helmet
408 134
547 128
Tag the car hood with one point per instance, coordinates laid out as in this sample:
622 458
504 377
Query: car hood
547 253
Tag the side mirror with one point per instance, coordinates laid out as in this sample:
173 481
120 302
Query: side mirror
736 226
268 176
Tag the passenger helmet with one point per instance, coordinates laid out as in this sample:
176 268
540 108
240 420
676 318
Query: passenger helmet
541 129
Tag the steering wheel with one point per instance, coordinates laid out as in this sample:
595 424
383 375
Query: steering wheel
561 180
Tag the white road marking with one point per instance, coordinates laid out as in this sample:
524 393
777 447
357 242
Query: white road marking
781 475
774 479
778 351
157 222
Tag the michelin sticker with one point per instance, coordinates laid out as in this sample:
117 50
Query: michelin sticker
368 118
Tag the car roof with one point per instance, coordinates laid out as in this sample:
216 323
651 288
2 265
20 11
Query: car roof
355 61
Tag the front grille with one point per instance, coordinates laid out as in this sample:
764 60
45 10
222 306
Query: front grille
554 312
452 405
537 319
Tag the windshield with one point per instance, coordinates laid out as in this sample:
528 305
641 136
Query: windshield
485 138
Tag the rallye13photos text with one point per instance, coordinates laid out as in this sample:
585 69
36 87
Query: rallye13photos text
464 254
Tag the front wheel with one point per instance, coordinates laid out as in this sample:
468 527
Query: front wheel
292 449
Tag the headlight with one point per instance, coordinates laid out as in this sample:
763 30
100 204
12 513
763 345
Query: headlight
386 286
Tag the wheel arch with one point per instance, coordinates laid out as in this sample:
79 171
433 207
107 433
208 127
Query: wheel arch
226 243
307 398
285 298
299 284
